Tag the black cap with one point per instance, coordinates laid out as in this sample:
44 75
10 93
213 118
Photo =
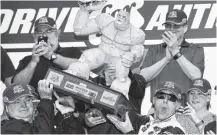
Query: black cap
171 86
202 85
47 21
176 16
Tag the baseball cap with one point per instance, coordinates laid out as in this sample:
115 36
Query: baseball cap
176 16
46 21
16 91
171 86
200 84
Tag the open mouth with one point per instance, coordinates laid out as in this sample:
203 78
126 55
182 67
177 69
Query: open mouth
163 110
119 22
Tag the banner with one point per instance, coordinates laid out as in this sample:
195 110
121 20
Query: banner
18 17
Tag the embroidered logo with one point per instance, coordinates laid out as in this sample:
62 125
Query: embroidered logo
43 20
198 83
184 20
18 89
172 14
169 85
5 99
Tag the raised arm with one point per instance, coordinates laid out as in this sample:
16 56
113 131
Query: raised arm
150 70
82 24
192 69
26 70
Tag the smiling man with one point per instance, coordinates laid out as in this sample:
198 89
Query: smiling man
18 101
175 59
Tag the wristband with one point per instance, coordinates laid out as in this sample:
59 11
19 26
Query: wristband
178 55
199 124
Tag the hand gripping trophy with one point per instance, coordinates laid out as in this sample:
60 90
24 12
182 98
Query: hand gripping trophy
121 44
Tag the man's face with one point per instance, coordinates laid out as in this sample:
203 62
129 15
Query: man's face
165 103
178 30
197 99
51 33
122 20
22 108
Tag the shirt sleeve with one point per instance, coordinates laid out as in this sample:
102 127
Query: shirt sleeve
44 121
22 64
137 90
7 67
148 58
198 59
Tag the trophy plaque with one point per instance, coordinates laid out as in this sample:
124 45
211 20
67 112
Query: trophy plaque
86 91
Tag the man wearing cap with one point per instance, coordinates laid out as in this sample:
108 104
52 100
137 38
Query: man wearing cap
196 114
175 59
18 101
166 100
45 53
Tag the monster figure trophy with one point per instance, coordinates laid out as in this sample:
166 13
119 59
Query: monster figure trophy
121 44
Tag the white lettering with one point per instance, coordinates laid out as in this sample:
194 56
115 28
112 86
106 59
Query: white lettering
6 21
18 20
212 17
160 13
41 12
177 7
199 14
188 9
69 24
53 13
61 17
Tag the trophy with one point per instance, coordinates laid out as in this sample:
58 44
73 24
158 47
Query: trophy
86 91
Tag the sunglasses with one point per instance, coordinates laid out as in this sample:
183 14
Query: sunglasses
45 32
174 26
162 95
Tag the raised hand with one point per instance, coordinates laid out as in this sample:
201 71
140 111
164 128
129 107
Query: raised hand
125 126
45 89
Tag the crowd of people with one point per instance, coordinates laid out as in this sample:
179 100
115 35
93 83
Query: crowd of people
174 70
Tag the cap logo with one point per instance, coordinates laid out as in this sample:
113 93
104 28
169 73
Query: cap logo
172 14
43 20
198 83
5 99
169 85
18 89
184 20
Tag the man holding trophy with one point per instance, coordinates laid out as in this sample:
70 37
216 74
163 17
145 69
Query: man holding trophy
121 44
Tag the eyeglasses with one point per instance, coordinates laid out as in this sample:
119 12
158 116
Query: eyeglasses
162 95
49 31
174 26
